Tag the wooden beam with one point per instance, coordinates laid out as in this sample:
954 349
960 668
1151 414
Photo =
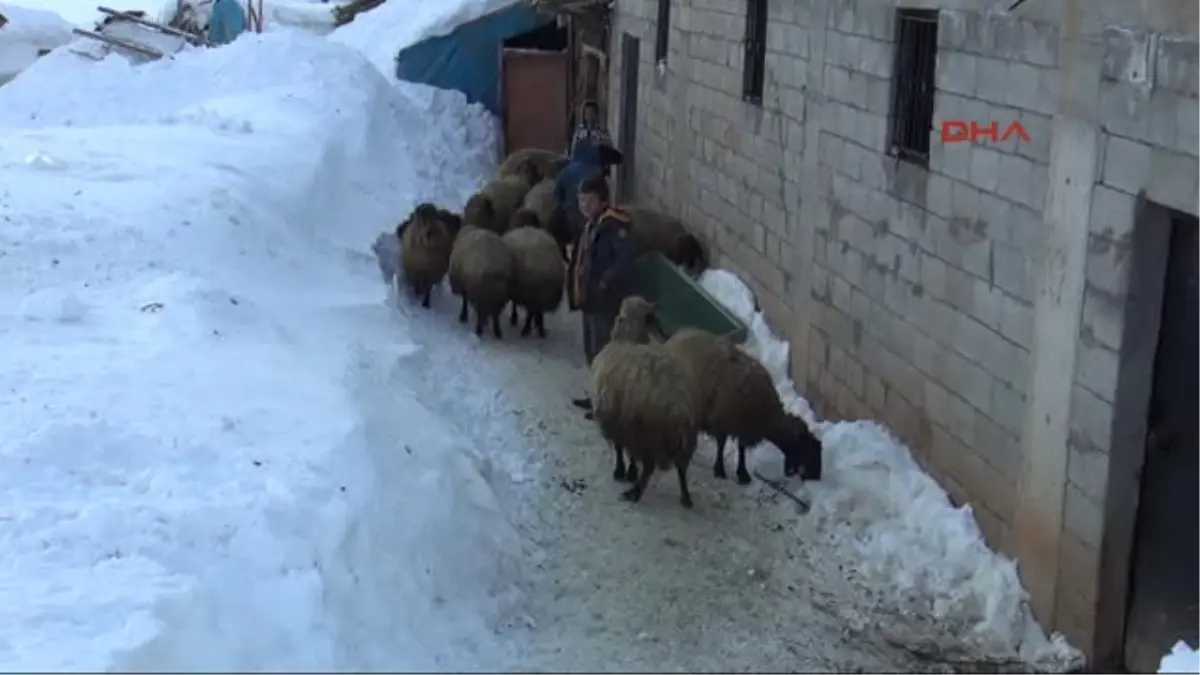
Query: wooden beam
118 42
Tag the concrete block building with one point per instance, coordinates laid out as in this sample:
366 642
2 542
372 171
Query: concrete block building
1014 308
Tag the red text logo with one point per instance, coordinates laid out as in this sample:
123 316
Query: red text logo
971 131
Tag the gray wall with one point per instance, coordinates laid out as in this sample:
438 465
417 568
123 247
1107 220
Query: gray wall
922 297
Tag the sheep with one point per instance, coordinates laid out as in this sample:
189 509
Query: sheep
544 163
452 220
644 400
541 209
425 247
482 271
659 231
540 275
492 207
738 399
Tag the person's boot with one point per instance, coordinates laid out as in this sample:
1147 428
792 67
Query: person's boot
584 403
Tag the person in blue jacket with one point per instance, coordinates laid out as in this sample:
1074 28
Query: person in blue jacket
591 152
599 273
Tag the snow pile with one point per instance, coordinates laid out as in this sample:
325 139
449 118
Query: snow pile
895 532
27 34
1181 659
207 462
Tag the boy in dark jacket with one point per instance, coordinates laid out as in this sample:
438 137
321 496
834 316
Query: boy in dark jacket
601 262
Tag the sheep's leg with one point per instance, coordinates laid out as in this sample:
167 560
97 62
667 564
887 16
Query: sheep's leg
426 299
685 495
496 324
512 320
479 321
528 327
634 494
743 475
619 471
719 465
540 320
631 474
462 313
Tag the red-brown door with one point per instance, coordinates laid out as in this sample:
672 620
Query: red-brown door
535 100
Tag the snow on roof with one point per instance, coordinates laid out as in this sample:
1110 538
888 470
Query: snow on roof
396 24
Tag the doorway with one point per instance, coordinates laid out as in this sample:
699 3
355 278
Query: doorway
1162 605
535 82
630 62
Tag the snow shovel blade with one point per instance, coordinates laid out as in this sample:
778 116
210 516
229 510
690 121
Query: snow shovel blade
779 487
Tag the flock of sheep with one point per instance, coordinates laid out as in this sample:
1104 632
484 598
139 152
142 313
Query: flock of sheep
651 399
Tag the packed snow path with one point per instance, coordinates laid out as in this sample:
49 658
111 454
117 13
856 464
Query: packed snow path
727 585
632 587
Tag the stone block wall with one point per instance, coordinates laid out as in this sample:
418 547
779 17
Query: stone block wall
908 293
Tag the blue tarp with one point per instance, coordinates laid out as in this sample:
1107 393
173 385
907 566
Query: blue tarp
228 21
468 59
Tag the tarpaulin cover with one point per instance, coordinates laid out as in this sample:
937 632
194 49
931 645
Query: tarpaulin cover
468 59
228 21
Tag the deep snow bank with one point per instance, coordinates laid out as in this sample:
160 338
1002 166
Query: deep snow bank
203 466
893 529
26 34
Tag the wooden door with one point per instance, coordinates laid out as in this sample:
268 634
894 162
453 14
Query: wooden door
1163 585
535 96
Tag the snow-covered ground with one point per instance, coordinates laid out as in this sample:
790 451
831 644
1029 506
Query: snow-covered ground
227 450
1181 659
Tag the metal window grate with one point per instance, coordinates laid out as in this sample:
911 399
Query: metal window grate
754 67
913 84
662 36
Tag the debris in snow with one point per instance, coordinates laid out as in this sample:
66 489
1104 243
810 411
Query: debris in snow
778 487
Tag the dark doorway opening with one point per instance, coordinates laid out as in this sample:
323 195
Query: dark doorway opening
549 37
630 62
1163 598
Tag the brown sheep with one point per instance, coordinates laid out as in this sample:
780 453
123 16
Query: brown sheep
425 250
644 400
452 220
541 209
482 271
543 163
540 276
492 207
662 232
738 399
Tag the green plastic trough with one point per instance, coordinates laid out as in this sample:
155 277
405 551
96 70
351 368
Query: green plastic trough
680 302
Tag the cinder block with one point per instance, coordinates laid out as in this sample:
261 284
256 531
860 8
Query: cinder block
1112 214
1176 64
1016 321
1011 271
1083 517
1087 469
1103 318
1108 265
957 73
1091 418
1126 164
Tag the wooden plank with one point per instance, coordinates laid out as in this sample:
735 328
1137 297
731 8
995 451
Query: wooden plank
118 42
127 16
